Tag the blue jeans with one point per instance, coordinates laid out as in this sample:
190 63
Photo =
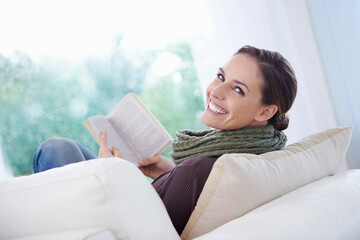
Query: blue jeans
57 152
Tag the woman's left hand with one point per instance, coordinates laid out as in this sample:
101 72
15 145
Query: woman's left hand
104 151
155 166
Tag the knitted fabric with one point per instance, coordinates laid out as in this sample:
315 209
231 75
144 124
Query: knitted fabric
208 143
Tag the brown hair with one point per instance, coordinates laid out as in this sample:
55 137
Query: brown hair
280 82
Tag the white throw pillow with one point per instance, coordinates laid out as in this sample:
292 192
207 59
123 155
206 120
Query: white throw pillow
239 183
107 193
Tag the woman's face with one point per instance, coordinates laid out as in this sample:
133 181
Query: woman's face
234 97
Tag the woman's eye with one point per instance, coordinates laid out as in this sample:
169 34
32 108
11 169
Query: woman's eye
239 91
220 76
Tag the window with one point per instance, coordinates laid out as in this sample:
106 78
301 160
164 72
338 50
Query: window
63 61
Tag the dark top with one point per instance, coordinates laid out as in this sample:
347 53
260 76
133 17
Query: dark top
180 188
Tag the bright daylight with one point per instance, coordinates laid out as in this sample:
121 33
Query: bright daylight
169 119
64 61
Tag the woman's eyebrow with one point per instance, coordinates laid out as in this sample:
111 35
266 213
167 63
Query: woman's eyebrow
221 70
236 81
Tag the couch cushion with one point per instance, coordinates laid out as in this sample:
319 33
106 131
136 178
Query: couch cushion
325 209
239 183
107 193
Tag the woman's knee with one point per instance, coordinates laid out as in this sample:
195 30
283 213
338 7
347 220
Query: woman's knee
56 144
55 152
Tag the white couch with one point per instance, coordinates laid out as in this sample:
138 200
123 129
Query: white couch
300 192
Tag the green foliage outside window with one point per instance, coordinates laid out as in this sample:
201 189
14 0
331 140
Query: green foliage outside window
39 101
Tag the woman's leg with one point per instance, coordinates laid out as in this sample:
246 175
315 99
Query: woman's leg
57 152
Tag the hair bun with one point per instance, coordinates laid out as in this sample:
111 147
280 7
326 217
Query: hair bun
280 122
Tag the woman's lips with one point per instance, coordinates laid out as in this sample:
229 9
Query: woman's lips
215 108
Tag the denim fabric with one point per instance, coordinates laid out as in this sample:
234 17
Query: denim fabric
57 152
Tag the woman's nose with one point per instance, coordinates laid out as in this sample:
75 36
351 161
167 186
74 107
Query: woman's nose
218 92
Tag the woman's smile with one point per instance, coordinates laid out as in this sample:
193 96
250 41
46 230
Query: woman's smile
216 108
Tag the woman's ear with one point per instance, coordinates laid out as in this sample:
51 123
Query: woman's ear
267 113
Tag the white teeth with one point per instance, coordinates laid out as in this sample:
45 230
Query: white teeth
215 109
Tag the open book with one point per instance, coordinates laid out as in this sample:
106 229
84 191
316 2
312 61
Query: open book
132 128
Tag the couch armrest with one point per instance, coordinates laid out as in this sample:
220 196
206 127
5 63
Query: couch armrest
106 193
326 209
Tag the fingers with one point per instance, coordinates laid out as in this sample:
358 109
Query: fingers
117 153
150 160
104 151
102 141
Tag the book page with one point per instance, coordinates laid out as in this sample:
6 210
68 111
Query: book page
144 135
101 123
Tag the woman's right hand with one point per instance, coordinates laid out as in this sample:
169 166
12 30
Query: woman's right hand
155 166
104 151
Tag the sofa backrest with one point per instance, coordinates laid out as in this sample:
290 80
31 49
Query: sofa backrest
239 183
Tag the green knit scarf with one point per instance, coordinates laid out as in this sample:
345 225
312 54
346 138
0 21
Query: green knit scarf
206 143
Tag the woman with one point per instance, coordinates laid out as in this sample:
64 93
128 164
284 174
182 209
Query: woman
246 107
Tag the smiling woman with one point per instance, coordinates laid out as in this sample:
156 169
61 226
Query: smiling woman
248 115
243 121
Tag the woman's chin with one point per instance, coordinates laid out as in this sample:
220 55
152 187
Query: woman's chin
210 122
204 119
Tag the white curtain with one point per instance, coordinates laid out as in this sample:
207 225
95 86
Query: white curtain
337 30
320 38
